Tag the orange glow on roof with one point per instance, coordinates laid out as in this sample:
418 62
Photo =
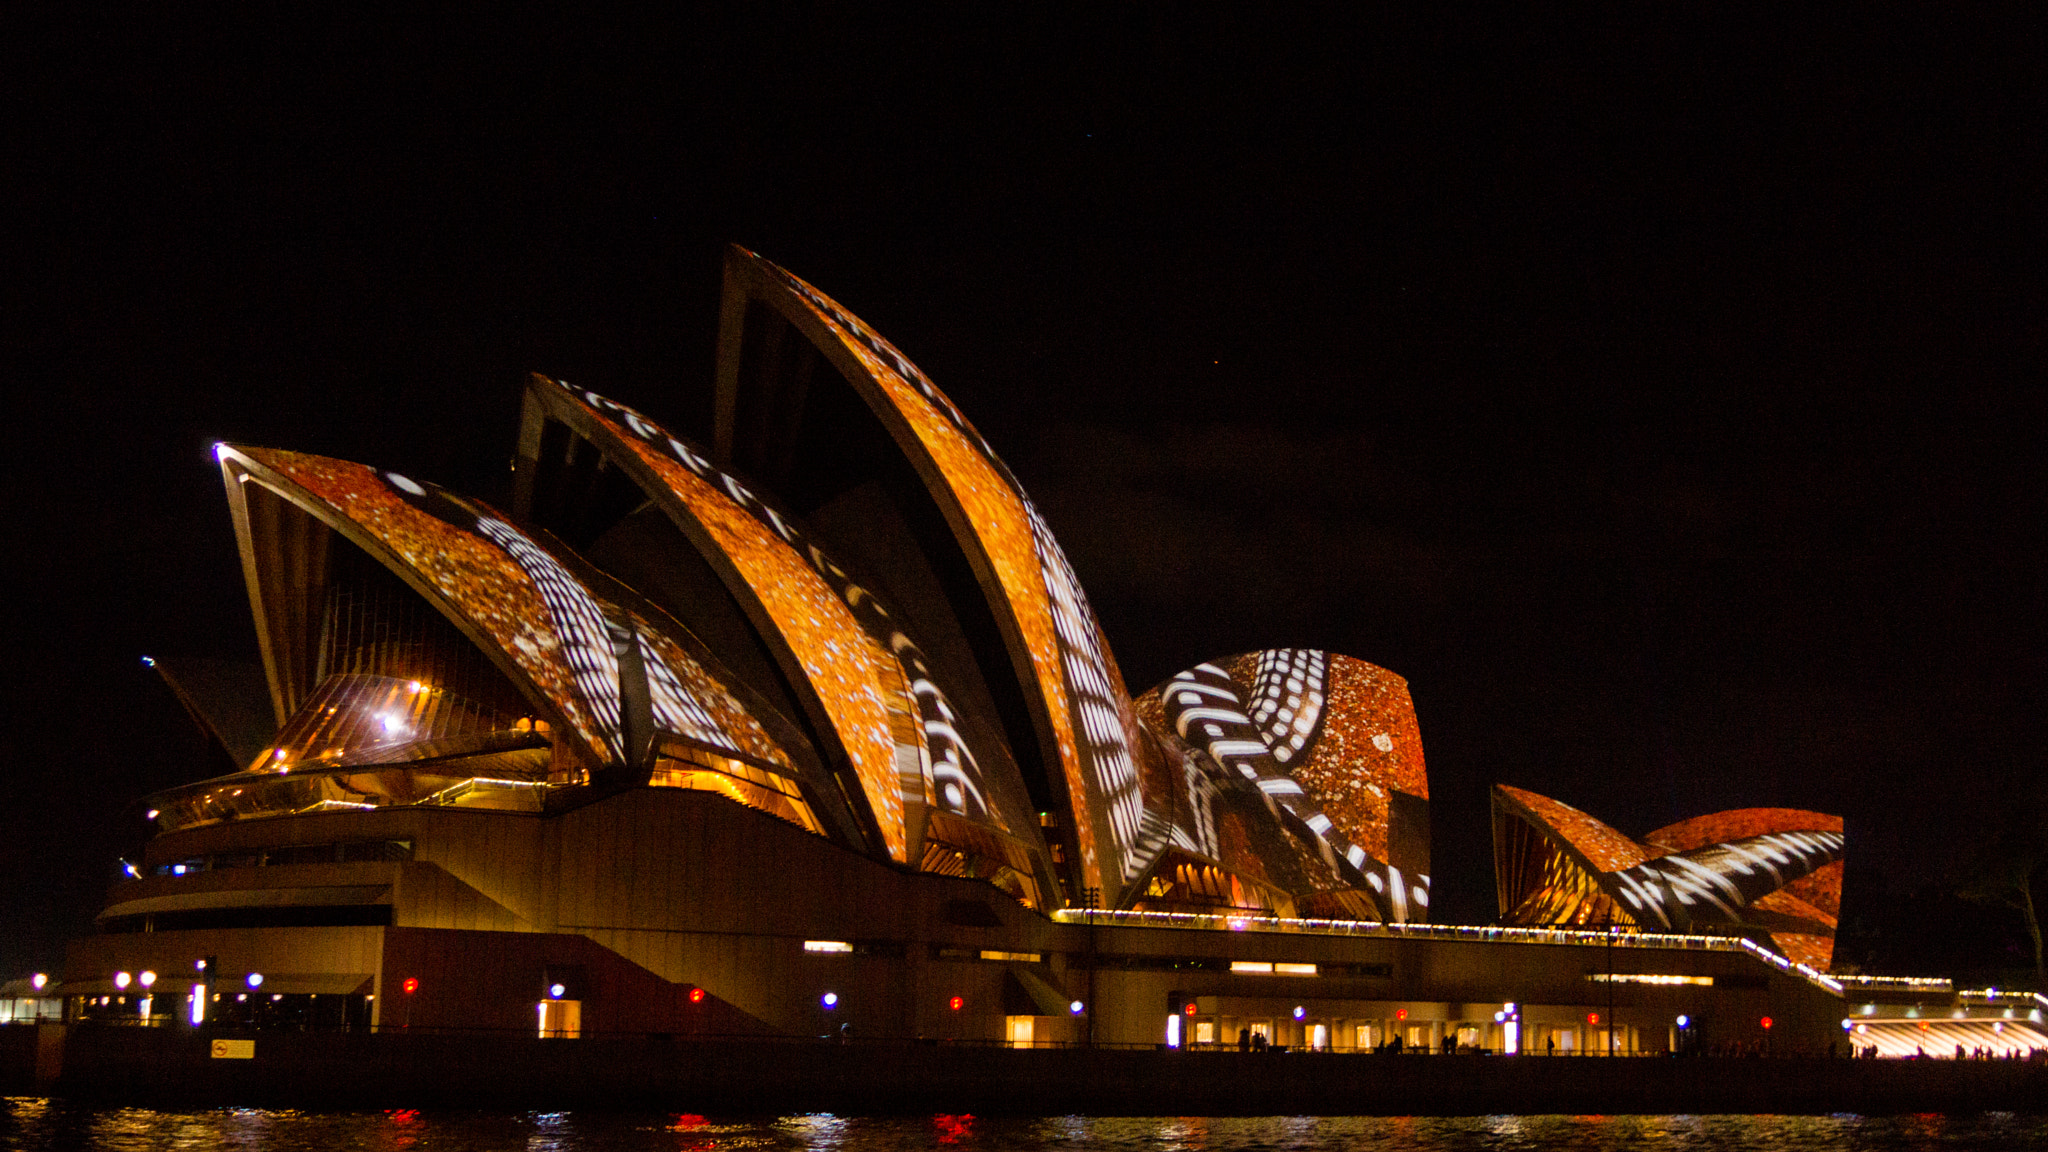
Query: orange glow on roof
1002 523
485 585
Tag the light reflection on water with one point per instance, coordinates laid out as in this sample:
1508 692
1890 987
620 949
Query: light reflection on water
35 1125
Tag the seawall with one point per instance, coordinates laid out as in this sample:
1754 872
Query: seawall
358 1071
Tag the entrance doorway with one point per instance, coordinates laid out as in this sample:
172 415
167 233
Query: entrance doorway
1020 1030
561 1019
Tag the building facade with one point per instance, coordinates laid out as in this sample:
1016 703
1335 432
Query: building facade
811 731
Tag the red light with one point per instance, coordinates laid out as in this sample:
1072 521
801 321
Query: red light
1188 1008
955 1003
411 985
1592 1017
696 995
1400 1013
1766 1022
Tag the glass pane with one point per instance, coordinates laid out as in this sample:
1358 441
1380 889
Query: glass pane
362 718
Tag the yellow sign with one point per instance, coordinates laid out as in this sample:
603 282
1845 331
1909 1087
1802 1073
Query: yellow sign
234 1049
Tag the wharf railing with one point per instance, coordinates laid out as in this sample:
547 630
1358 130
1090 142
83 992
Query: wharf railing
2002 997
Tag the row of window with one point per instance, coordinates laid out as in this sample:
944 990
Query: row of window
290 916
1134 963
1244 967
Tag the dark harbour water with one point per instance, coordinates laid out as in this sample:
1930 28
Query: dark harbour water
34 1125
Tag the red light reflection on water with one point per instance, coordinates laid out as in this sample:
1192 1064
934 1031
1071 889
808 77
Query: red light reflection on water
951 1129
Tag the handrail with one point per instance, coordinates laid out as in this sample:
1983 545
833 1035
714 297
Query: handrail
1792 967
1908 983
1991 995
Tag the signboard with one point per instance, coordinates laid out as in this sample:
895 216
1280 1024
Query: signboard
234 1049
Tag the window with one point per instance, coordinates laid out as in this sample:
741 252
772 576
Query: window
828 946
1270 968
1646 978
736 780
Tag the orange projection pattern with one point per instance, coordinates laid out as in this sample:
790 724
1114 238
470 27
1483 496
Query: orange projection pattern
502 600
1322 741
1368 747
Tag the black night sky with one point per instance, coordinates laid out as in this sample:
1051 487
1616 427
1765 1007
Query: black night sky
1657 389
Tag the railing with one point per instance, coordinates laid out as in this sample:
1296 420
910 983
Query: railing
1897 983
1790 967
1997 996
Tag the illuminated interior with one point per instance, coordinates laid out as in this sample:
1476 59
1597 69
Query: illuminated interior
1539 882
514 781
958 847
736 780
1184 883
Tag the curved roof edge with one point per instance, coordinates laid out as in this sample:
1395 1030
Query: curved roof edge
1774 869
1079 710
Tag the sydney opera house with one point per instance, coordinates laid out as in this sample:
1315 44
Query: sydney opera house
811 731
